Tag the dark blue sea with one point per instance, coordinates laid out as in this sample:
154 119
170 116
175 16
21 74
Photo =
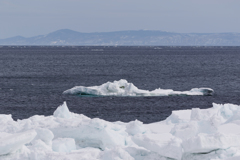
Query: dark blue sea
32 79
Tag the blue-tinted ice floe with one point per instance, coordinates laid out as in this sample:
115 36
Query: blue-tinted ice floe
124 88
196 134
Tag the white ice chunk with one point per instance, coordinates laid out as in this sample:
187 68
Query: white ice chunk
63 145
229 128
62 111
185 130
198 114
180 116
140 153
93 133
84 154
45 135
116 154
123 88
40 145
220 154
7 124
159 127
164 144
11 143
135 127
233 158
204 143
5 118
235 117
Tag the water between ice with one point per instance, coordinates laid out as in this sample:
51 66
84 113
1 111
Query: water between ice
34 77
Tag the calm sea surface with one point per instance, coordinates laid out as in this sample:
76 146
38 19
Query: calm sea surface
32 79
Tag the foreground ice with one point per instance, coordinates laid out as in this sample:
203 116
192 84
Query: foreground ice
196 134
123 88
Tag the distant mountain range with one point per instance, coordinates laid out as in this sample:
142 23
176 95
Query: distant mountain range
128 38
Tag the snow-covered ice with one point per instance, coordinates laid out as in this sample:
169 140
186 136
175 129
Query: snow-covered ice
196 134
123 88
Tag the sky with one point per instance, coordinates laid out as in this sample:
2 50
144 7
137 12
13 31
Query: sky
39 17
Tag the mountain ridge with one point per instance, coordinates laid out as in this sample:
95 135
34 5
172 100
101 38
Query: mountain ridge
127 38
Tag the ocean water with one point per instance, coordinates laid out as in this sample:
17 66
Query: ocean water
32 79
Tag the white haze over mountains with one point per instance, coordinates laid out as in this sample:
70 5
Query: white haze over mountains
127 38
30 18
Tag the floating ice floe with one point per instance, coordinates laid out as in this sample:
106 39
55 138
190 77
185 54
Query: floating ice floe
123 88
196 134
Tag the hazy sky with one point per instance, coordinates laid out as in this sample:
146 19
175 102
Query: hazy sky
36 17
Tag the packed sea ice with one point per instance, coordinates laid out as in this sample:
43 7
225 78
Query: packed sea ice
123 88
196 134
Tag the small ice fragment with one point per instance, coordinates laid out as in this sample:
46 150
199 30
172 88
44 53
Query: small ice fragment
135 127
62 111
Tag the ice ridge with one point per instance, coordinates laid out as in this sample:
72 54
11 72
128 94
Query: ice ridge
197 134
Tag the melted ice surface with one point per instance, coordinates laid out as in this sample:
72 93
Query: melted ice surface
123 88
197 134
